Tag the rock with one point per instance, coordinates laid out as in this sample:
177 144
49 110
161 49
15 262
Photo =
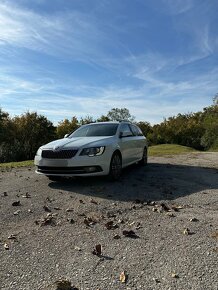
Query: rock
17 212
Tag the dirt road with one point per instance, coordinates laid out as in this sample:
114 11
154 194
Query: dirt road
171 207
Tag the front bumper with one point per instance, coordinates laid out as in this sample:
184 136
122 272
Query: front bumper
76 166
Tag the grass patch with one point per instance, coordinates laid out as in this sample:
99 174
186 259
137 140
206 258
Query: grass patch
169 149
16 164
214 147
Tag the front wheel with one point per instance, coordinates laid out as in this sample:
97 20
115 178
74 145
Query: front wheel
115 167
144 160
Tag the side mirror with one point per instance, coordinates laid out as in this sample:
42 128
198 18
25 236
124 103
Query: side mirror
121 135
66 135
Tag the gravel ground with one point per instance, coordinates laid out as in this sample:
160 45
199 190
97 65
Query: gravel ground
171 206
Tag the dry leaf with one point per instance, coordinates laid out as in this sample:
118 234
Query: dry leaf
69 209
193 220
214 235
117 237
46 208
165 207
12 237
26 195
89 222
71 221
130 234
170 214
6 246
93 201
97 251
110 225
174 275
186 232
16 203
123 277
63 285
57 208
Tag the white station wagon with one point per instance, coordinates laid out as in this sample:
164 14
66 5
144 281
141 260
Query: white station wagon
102 148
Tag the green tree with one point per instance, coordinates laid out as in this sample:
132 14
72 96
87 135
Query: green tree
103 118
86 120
30 131
146 130
67 126
210 124
122 114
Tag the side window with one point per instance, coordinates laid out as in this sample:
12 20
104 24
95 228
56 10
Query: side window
139 131
126 130
136 130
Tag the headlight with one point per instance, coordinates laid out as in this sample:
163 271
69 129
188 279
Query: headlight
93 151
39 152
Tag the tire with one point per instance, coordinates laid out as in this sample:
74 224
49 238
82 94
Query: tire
54 178
115 166
144 160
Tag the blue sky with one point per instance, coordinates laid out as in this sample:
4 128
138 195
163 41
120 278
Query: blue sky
63 58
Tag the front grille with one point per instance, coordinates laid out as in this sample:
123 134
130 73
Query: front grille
62 154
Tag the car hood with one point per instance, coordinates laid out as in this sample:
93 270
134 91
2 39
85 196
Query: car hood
77 142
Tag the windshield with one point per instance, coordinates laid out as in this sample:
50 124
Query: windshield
95 130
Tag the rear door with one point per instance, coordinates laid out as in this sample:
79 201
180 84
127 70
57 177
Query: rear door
139 141
126 144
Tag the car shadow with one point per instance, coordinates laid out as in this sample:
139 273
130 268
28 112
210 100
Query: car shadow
156 181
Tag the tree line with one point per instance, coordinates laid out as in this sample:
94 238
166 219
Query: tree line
21 136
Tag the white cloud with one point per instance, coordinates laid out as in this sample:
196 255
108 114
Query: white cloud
66 34
178 6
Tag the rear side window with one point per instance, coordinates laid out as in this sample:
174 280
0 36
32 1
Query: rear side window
125 128
136 131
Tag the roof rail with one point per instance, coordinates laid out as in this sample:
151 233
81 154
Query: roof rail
125 121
